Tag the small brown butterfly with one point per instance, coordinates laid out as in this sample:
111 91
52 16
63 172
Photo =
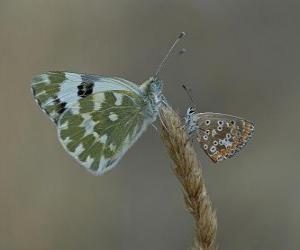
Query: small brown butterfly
221 136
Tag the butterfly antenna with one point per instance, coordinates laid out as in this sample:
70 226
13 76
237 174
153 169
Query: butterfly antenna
189 93
163 62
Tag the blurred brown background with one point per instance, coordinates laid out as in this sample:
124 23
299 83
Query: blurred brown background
242 58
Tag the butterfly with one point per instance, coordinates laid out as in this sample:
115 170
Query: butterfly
221 136
98 118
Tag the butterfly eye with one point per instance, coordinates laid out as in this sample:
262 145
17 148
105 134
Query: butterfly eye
207 122
232 122
228 136
207 132
205 137
215 143
219 128
205 146
191 111
220 123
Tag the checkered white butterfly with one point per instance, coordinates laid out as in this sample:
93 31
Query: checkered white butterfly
98 118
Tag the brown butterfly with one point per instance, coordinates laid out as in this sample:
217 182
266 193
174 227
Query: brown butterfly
221 136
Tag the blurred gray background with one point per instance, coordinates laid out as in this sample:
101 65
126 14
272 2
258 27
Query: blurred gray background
242 58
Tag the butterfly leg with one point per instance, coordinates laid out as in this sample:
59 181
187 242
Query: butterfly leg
181 127
164 101
154 127
162 120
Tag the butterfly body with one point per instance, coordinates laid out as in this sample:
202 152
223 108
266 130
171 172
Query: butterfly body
98 118
190 120
221 136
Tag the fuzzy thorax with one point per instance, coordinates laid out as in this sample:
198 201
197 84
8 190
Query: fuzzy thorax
152 89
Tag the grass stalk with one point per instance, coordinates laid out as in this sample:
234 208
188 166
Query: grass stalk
188 170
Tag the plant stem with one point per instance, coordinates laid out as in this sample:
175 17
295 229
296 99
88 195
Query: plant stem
189 173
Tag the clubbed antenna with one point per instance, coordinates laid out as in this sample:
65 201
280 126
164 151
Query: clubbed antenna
182 51
163 62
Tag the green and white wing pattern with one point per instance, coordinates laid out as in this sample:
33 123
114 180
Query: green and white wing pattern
99 129
56 91
98 118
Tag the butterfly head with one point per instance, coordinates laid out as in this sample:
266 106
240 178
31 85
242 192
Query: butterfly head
152 90
155 85
190 120
190 111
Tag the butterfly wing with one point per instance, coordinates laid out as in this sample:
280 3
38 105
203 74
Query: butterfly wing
56 91
98 129
98 118
222 136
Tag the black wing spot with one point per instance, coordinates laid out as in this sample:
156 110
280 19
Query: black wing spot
60 106
85 89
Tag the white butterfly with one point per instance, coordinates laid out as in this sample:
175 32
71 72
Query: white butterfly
98 118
